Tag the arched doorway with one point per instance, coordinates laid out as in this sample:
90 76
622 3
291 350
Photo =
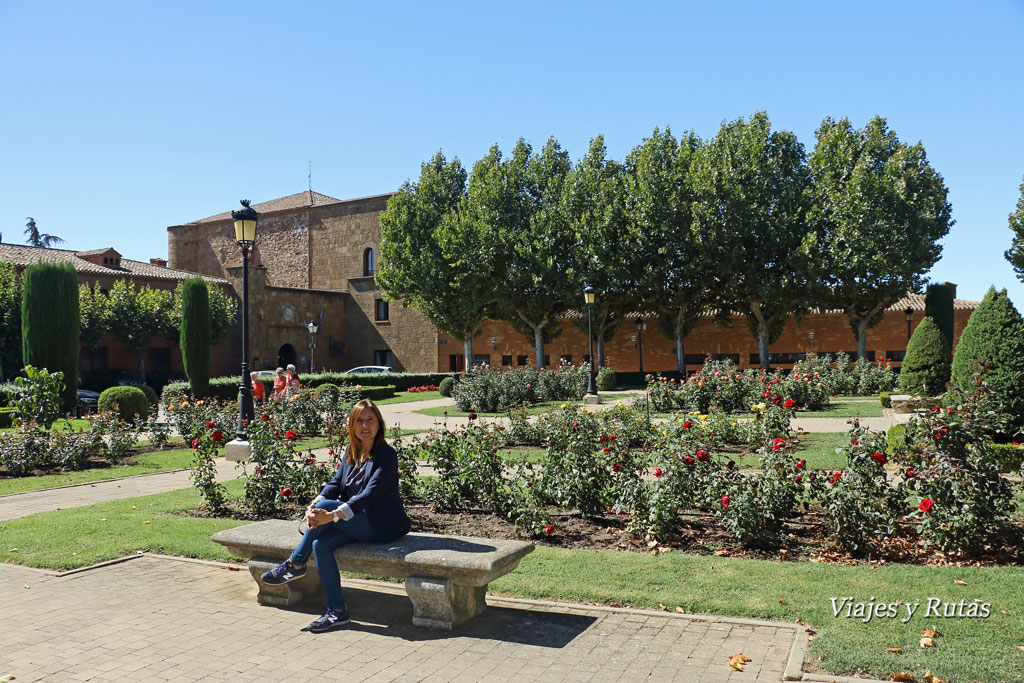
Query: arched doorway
286 356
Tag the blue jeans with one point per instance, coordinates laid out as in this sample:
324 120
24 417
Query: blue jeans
321 541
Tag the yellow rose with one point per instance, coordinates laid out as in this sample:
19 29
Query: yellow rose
185 404
564 406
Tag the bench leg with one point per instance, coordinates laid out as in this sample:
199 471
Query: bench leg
288 594
440 604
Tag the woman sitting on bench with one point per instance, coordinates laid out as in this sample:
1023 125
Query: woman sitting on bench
361 503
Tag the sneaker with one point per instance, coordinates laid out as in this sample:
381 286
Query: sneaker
330 620
283 573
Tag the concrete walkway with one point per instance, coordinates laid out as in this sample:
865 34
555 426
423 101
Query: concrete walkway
158 619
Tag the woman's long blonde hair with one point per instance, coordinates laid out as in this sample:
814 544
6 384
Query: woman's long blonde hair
354 454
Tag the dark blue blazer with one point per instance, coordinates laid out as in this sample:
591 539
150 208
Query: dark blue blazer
378 495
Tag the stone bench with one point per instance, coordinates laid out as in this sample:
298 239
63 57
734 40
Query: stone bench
446 577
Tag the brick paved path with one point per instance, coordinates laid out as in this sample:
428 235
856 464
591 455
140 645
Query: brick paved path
157 619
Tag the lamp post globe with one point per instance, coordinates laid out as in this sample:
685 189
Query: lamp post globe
312 327
589 296
245 220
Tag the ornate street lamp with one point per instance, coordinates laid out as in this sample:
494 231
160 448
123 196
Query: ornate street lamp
909 314
245 234
312 327
641 325
589 296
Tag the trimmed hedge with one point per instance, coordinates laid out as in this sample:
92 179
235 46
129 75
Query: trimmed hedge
127 401
883 396
606 379
1008 457
150 393
226 388
926 365
446 387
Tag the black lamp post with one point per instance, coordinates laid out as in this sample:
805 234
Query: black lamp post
589 297
640 327
245 234
909 313
312 327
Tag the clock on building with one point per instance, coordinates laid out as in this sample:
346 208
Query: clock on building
288 314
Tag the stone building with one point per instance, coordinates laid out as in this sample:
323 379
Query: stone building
315 258
99 367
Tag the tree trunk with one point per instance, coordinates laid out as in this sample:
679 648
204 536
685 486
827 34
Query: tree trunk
862 337
762 344
538 342
600 348
142 366
680 347
467 352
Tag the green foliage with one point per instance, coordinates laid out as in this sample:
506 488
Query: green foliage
446 387
883 396
1015 254
226 388
606 379
196 334
140 313
96 314
880 210
50 326
938 305
926 365
39 399
994 338
751 187
10 319
492 391
127 402
37 238
204 468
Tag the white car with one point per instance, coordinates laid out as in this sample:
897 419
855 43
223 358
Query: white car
368 369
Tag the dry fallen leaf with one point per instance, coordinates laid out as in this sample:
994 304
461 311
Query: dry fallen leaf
680 610
27 586
810 639
737 661
902 676
782 602
1020 647
930 633
234 569
932 678
614 604
960 582
927 642
896 650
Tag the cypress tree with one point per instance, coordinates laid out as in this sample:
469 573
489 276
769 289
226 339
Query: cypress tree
926 365
994 335
50 324
195 334
938 305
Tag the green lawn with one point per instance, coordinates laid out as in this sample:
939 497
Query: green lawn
819 450
406 397
968 650
61 425
848 407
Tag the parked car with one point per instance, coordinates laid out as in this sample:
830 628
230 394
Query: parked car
367 369
125 378
87 400
266 375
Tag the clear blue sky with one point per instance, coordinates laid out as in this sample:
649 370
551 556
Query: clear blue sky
120 119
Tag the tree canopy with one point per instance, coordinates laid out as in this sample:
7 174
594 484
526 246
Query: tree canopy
1015 254
39 239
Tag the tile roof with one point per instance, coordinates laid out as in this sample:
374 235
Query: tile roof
293 201
23 256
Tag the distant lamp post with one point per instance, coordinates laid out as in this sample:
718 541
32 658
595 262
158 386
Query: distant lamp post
909 313
589 296
641 325
810 338
245 220
312 327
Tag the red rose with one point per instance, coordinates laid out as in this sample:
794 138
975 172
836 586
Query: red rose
603 438
703 456
290 434
689 459
879 458
549 528
210 425
778 444
616 467
575 425
836 477
911 473
854 442
195 443
264 417
611 437
926 505
473 416
790 403
725 500
767 394
730 465
286 492
687 424
217 436
605 449
800 464
799 478
658 472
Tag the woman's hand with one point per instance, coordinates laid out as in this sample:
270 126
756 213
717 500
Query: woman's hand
311 516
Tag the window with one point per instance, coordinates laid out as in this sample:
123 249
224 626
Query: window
895 355
547 360
91 360
481 359
521 360
506 360
380 310
369 263
382 357
566 358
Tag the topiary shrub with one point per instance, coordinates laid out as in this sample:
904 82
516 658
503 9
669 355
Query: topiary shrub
195 334
127 401
926 365
606 379
938 305
150 393
446 386
50 323
994 336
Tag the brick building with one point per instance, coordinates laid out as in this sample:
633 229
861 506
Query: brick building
315 259
104 267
